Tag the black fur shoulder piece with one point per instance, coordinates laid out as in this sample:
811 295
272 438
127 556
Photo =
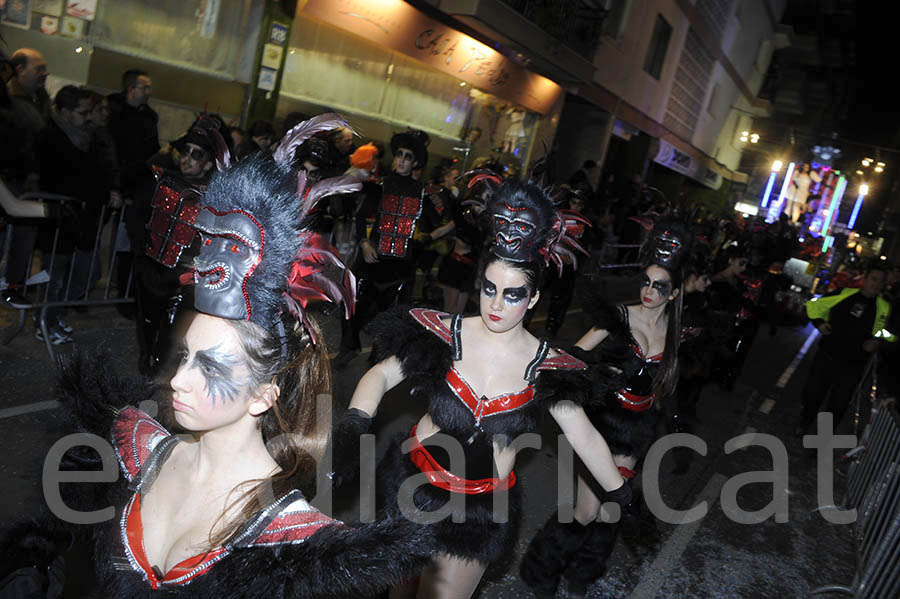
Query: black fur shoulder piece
93 394
396 333
554 386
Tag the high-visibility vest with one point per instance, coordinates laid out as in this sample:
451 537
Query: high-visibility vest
820 308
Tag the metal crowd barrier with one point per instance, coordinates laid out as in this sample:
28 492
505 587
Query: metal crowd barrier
36 211
873 489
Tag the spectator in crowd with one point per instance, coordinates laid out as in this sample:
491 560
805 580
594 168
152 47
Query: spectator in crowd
238 136
341 148
584 179
103 146
260 138
69 166
133 126
852 323
24 113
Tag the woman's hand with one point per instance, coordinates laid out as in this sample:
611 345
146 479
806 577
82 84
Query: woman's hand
377 381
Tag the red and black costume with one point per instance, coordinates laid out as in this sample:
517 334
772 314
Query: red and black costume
279 552
625 417
393 214
427 343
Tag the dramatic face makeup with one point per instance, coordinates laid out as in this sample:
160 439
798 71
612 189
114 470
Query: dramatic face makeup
403 161
217 365
656 286
505 297
212 386
231 247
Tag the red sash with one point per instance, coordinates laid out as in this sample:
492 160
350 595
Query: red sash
439 477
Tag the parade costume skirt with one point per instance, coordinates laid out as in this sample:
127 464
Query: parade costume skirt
626 432
479 537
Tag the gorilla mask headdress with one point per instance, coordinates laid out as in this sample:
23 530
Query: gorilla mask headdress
258 257
669 245
528 227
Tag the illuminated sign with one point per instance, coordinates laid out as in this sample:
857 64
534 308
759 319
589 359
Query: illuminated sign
399 26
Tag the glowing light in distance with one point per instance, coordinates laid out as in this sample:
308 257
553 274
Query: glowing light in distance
768 191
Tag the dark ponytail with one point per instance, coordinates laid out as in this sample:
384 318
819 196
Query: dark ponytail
667 375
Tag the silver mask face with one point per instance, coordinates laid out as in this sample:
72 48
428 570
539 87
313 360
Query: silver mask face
667 248
231 248
515 229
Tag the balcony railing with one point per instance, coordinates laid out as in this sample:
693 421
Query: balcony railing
574 23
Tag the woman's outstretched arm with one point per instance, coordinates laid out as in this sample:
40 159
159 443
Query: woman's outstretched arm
588 443
377 381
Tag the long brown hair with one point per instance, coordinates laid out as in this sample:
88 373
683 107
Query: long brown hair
667 375
294 431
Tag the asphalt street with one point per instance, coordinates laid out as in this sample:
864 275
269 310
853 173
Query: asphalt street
716 555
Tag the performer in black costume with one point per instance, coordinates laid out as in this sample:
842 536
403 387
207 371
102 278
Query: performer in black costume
642 341
486 380
386 261
218 512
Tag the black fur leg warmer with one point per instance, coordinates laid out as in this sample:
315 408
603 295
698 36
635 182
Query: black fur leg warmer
590 562
548 554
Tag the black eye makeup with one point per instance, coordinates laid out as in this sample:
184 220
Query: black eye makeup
662 288
511 295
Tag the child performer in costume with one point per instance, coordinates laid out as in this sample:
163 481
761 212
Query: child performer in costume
642 341
485 380
218 512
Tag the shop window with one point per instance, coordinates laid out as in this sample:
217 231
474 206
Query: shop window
211 36
659 44
375 86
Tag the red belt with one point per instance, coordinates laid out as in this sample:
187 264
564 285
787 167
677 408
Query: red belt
634 403
627 473
440 477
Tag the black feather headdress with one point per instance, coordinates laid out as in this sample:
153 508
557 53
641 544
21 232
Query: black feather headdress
258 256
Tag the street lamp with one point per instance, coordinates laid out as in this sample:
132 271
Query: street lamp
863 190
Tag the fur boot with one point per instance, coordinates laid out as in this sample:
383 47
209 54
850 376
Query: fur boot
590 562
548 554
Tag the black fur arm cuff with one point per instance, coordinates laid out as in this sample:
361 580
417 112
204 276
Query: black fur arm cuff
345 446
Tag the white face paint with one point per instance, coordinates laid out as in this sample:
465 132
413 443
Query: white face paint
212 386
505 297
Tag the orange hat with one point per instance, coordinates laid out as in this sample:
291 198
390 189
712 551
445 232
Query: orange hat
364 157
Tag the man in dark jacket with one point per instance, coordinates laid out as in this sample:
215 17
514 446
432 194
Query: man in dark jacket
69 166
852 323
133 126
24 113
